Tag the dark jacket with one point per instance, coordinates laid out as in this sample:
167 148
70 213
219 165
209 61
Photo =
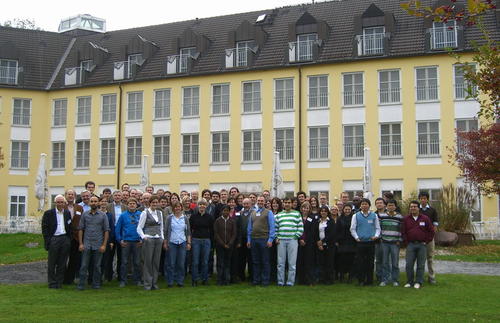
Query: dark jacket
331 232
49 225
201 226
75 221
420 230
431 213
242 225
345 238
225 231
309 236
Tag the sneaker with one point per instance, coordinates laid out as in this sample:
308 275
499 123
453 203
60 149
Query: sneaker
416 286
122 284
395 284
432 281
408 285
382 284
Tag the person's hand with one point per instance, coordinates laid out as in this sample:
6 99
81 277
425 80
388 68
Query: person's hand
102 249
188 246
139 244
277 241
165 245
81 247
111 245
358 240
238 245
123 244
374 238
320 248
248 245
269 244
226 246
337 244
302 242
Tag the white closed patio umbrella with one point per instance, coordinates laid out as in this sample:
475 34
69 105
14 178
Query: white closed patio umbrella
41 183
277 189
144 181
367 174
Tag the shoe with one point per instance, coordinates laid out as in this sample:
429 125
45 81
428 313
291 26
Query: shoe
281 285
147 288
122 284
416 286
180 285
395 284
139 284
289 285
408 285
204 283
96 287
155 287
382 284
80 288
432 281
170 285
194 283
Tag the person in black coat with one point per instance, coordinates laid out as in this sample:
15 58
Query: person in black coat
306 257
325 233
346 244
56 231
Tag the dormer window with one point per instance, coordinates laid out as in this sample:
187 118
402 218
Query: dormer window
373 31
444 35
371 42
305 45
242 48
185 54
8 71
133 61
306 37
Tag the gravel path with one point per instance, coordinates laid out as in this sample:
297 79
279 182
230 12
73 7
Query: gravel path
36 272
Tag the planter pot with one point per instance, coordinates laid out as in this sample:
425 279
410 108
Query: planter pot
466 239
446 239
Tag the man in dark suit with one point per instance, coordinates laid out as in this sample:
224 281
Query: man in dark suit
115 208
56 230
76 212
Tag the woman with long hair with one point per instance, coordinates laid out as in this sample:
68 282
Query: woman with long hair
346 244
276 207
306 256
202 225
313 200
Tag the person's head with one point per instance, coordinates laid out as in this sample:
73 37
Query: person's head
365 204
266 194
287 204
388 196
324 212
231 202
340 205
132 204
150 189
276 205
103 204
224 194
334 211
160 192
356 200
301 196
106 193
268 204
60 202
174 198
90 186
117 197
184 193
70 196
163 201
295 203
194 196
344 197
94 202
125 196
347 209
168 194
225 210
253 197
391 206
424 198
215 197
261 201
146 197
85 195
305 208
380 204
186 202
234 191
125 187
206 194
247 203
323 200
239 199
202 205
414 208
154 201
176 208
314 202
133 193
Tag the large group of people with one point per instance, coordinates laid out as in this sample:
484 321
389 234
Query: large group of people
137 236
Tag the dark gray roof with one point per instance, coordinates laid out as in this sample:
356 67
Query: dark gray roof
407 39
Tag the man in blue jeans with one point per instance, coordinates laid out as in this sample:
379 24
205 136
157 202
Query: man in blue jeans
390 236
417 232
260 236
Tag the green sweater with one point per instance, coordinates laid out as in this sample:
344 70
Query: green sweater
289 225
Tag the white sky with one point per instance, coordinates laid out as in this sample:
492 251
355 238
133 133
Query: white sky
127 14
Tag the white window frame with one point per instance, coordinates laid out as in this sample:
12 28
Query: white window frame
287 151
305 43
353 93
108 109
22 155
7 79
319 97
428 142
131 60
83 118
392 146
136 154
85 65
316 149
252 149
190 154
63 110
427 89
184 55
461 87
284 98
357 151
61 155
137 108
21 115
242 48
161 151
225 99
108 153
164 96
191 103
468 122
221 147
18 192
444 28
391 92
373 38
255 100
82 154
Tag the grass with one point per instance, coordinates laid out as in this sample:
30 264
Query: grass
482 251
456 298
13 248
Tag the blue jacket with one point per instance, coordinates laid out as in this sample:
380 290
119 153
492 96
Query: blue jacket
111 221
126 227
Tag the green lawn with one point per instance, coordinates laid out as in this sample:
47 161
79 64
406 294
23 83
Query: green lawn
482 251
13 248
457 298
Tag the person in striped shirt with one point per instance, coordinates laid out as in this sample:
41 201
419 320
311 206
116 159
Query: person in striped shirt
289 229
390 225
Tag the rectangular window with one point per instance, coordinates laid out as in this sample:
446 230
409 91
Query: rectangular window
191 101
133 60
190 149
427 83
185 55
17 206
353 89
389 87
134 111
284 143
305 44
318 91
85 66
463 89
465 125
251 97
134 152
318 143
8 71
444 35
373 40
83 115
19 155
252 146
428 138
108 108
58 155
60 112
220 147
162 104
390 140
108 149
354 142
242 49
283 94
82 154
21 113
161 151
220 99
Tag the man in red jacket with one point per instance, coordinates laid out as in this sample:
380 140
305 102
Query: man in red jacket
417 232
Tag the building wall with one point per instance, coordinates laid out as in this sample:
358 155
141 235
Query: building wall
334 174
